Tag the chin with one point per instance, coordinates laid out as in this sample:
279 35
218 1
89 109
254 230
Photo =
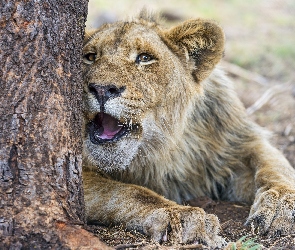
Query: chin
109 155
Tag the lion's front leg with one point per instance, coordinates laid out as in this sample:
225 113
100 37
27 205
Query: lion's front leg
138 208
273 210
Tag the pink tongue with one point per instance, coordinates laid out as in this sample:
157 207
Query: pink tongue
111 126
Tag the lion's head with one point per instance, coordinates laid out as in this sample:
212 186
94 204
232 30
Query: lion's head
140 83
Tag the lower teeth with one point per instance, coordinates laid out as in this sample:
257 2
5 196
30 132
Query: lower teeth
96 136
98 133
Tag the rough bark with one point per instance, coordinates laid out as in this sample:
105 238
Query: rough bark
40 142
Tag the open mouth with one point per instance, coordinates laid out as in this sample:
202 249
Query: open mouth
106 128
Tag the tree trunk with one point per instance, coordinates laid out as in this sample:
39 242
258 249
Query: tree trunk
40 113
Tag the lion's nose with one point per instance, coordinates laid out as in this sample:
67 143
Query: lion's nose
105 92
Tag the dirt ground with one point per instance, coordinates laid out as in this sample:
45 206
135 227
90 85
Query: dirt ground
269 99
232 217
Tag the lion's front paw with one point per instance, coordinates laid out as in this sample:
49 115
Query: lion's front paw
183 224
273 212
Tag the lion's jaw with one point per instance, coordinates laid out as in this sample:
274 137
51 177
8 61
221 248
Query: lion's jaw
111 156
111 136
112 151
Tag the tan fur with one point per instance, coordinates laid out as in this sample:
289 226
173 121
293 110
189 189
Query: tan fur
190 136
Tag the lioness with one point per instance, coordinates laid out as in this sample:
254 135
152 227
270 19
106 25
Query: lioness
164 125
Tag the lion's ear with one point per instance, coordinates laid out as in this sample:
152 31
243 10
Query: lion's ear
202 41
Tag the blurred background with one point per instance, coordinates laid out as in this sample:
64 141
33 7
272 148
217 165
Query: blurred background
259 53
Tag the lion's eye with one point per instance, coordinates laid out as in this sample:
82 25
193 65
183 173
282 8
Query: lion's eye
89 57
143 58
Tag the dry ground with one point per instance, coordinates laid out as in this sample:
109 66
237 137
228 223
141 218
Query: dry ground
260 39
232 217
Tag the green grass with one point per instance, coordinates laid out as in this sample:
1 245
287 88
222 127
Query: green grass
243 244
